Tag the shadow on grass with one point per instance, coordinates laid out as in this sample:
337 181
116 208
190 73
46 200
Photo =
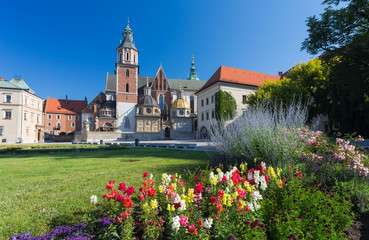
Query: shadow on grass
126 153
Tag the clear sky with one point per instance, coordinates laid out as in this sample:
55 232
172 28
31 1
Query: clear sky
67 47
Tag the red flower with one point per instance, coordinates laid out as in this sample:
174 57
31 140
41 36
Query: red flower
247 208
192 229
213 200
201 224
266 179
221 193
145 174
141 197
180 182
172 177
196 177
198 188
110 185
130 191
122 187
224 179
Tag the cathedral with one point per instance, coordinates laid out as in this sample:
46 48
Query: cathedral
143 107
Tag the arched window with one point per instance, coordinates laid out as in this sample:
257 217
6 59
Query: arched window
134 58
127 87
127 123
192 104
127 73
127 56
120 57
161 101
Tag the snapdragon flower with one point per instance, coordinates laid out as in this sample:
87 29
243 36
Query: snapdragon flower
208 223
176 224
93 199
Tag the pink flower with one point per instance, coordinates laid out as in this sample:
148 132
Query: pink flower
141 196
130 190
183 220
122 186
145 174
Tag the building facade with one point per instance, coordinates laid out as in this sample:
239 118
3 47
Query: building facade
127 95
239 83
63 115
21 119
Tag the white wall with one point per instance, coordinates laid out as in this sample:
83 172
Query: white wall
123 110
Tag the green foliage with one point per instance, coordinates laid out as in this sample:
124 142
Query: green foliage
62 133
343 31
225 106
306 82
300 211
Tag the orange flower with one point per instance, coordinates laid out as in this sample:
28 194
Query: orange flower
219 207
200 223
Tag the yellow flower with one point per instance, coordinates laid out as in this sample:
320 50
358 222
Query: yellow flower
235 195
279 171
176 174
174 186
272 173
161 189
190 195
153 204
173 208
146 207
168 207
218 170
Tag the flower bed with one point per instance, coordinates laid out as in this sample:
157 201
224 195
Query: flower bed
241 203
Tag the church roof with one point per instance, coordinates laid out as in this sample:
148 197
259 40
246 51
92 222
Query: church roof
147 100
180 103
111 83
238 76
189 85
127 38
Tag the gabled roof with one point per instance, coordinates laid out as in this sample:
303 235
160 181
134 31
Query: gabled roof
16 83
238 76
63 106
111 83
190 85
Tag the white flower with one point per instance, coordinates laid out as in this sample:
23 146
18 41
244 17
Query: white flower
263 184
183 206
93 199
256 205
251 206
208 222
220 176
176 224
249 176
263 165
256 195
151 176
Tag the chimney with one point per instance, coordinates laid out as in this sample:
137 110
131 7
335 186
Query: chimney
66 100
86 101
280 73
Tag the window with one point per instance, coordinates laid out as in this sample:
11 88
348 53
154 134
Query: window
120 57
127 87
38 118
127 56
69 117
207 115
134 58
127 123
212 99
49 124
207 101
202 116
8 114
243 98
161 101
127 73
52 132
49 116
213 114
1 131
58 125
192 104
8 98
73 124
202 102
58 117
25 116
26 101
77 117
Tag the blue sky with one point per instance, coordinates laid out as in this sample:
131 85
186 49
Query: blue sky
67 47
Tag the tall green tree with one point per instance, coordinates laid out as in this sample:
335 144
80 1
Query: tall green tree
342 32
306 82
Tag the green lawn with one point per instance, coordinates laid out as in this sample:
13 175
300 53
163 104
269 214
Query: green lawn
41 191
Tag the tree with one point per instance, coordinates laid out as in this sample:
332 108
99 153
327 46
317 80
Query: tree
342 32
306 82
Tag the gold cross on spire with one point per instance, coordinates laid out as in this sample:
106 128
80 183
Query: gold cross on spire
179 84
128 22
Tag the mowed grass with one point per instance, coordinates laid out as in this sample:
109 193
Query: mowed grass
41 191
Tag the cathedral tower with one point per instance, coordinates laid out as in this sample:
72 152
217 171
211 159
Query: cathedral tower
127 77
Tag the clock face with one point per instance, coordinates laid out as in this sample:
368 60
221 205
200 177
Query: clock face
181 112
148 110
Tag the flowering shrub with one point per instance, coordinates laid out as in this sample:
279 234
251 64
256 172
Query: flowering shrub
240 203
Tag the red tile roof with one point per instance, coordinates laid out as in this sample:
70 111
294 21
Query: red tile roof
239 76
63 106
